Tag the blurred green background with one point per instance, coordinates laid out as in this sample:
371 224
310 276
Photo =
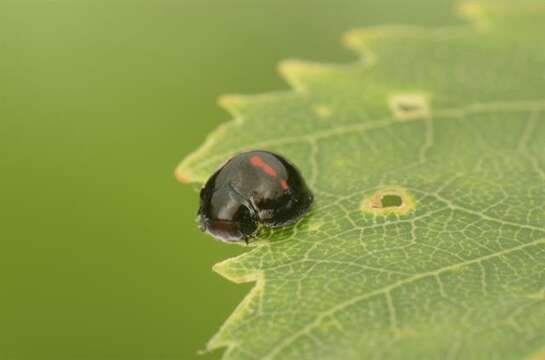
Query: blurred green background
100 257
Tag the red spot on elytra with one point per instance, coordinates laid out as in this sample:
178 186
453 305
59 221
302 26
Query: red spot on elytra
258 162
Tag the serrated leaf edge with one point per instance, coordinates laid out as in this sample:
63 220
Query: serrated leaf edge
292 72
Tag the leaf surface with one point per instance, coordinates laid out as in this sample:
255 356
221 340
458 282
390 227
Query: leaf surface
427 160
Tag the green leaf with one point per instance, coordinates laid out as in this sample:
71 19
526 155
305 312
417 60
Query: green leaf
427 159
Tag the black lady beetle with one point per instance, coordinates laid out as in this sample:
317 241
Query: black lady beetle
252 188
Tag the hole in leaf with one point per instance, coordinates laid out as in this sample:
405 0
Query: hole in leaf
409 106
391 200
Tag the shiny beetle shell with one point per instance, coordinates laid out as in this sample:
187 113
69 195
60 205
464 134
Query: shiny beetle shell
252 188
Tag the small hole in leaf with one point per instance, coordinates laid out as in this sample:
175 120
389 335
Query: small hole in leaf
409 106
391 200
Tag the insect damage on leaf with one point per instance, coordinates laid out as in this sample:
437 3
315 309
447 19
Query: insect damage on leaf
412 106
391 200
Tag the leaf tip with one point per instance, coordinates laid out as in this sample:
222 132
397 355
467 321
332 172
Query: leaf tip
358 41
230 270
184 172
233 104
292 71
297 73
181 175
188 170
362 40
